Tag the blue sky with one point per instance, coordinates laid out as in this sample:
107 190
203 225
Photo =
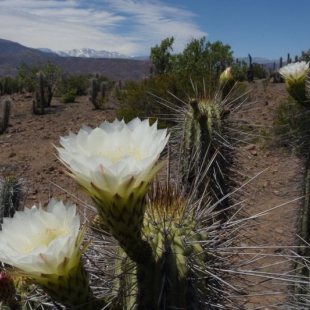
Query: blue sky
263 28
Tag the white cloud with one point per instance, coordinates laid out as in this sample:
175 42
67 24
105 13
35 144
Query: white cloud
126 26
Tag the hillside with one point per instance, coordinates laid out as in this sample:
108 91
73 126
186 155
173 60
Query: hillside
12 54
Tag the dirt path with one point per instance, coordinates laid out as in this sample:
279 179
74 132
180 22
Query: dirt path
280 182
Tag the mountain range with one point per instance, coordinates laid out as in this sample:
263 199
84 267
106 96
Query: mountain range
91 53
83 61
12 54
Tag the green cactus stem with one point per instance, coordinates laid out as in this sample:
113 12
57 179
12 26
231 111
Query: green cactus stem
174 277
39 102
202 129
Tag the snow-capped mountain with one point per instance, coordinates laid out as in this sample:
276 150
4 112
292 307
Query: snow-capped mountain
85 53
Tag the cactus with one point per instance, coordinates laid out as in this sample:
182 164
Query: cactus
249 72
103 89
202 134
8 292
11 191
171 278
93 93
39 102
4 119
5 86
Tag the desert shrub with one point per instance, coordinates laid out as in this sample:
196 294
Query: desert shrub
9 85
73 82
258 71
141 98
239 70
69 96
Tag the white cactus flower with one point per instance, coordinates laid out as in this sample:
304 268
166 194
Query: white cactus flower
295 71
295 76
39 242
115 157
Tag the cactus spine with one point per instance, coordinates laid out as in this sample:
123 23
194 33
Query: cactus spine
4 119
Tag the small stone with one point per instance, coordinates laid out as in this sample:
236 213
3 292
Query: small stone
254 153
266 183
250 147
279 230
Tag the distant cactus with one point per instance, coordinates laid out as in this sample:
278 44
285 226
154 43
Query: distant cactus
4 118
249 72
5 86
279 77
11 190
289 60
37 107
93 93
39 102
103 89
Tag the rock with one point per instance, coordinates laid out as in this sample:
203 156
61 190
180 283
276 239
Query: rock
254 153
250 147
266 183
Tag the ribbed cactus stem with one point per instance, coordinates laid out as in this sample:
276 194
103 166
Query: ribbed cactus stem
72 290
203 119
168 280
8 292
124 220
174 277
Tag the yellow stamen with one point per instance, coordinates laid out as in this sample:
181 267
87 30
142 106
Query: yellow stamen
120 152
43 238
